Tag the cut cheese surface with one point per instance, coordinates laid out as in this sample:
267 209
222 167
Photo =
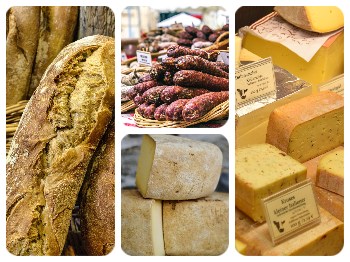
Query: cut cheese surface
177 168
308 127
327 238
321 19
141 225
197 227
327 63
330 172
240 246
246 55
262 170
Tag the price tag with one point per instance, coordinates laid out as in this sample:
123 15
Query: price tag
162 57
123 56
144 58
336 85
223 57
291 211
255 81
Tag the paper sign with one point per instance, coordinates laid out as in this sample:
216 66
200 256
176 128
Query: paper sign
144 58
123 56
223 57
162 57
336 85
291 211
255 81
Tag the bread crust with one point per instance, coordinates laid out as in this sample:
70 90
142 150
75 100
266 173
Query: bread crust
53 145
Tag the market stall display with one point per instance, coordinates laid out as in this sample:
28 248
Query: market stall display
300 123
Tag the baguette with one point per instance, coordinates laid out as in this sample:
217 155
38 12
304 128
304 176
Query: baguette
97 202
53 145
57 24
22 31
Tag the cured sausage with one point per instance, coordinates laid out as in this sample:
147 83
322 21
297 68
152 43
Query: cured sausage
152 95
176 51
157 71
173 93
201 105
174 111
159 113
148 112
142 87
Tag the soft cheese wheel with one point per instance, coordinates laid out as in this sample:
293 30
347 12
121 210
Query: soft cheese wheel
321 19
196 227
262 170
141 225
177 168
308 127
330 172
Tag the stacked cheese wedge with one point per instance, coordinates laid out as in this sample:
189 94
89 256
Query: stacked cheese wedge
174 210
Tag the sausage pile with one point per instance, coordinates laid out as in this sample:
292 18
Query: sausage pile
185 86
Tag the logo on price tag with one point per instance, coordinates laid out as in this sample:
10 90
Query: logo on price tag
144 58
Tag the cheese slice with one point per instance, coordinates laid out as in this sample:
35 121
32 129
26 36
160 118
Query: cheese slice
197 227
262 170
177 168
330 172
327 238
141 225
308 127
321 19
327 63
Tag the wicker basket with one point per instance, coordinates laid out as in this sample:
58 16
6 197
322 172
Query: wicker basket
221 43
127 106
219 112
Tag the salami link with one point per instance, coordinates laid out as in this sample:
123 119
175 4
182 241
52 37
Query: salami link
176 51
222 66
192 78
174 111
131 93
184 42
145 78
191 30
173 93
152 95
185 35
138 100
141 108
201 105
189 62
157 71
159 113
168 78
207 30
142 87
149 111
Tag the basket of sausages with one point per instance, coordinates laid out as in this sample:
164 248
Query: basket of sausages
185 88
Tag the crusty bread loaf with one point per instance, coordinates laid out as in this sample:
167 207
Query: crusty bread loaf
53 145
97 200
22 32
57 24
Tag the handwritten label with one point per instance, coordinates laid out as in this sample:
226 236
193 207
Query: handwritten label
291 211
336 85
254 80
144 58
162 57
223 57
123 56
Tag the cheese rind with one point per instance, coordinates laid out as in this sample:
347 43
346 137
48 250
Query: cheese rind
141 225
238 46
309 126
262 170
197 227
321 19
177 168
330 172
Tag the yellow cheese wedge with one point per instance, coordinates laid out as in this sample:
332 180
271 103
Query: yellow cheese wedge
262 170
327 63
308 127
327 238
177 168
141 225
197 227
321 19
330 172
240 246
247 56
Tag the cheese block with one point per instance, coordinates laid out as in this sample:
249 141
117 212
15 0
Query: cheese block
247 56
309 126
240 246
238 45
252 119
262 170
330 172
321 19
327 63
327 238
177 168
141 225
197 227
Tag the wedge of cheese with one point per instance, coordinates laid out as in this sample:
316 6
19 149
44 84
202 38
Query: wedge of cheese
262 170
177 168
197 227
327 63
321 19
308 127
141 225
330 172
327 238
